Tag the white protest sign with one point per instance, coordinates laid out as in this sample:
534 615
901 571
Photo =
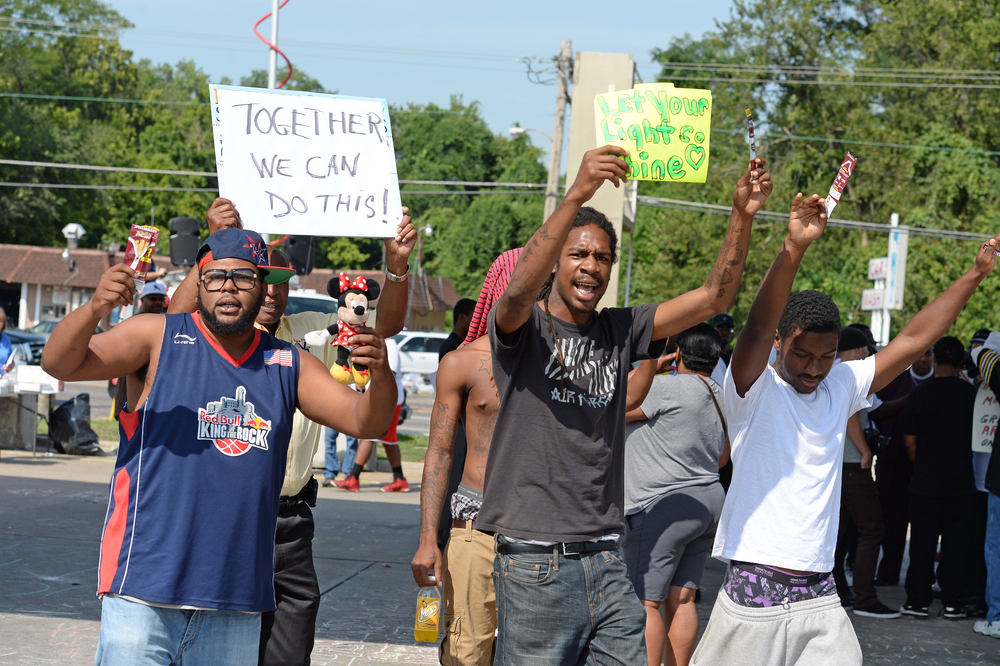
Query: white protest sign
306 163
984 420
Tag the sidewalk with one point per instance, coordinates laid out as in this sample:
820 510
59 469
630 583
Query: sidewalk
52 509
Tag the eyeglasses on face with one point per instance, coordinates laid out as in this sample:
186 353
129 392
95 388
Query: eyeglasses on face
243 278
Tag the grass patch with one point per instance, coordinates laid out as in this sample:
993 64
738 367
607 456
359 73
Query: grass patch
105 429
412 448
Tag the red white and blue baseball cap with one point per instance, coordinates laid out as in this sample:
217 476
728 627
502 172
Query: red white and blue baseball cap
233 243
153 289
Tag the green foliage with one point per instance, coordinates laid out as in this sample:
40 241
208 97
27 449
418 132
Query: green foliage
934 189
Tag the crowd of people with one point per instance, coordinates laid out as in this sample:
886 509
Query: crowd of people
571 492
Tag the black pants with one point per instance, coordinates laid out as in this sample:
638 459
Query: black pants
977 549
859 505
950 519
287 634
894 498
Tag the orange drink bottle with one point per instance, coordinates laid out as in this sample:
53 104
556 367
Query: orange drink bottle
425 628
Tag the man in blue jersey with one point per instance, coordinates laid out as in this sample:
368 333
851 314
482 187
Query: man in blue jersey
186 555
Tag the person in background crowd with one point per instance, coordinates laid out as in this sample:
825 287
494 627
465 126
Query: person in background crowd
6 348
462 317
675 444
287 634
988 362
937 426
153 298
893 472
724 325
331 464
978 574
390 441
859 509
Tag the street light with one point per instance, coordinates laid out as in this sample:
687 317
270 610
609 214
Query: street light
518 131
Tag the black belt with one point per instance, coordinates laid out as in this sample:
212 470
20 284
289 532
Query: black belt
307 495
572 548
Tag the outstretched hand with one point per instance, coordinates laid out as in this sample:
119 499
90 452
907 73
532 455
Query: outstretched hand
401 245
807 220
753 188
599 165
986 260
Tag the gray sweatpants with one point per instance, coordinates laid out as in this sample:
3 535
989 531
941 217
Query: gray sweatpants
806 633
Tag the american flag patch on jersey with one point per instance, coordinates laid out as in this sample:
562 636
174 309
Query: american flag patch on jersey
278 357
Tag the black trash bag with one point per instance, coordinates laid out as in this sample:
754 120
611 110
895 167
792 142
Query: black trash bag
69 428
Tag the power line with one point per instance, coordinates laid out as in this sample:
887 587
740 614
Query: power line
74 186
678 204
94 167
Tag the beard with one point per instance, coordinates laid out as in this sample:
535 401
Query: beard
242 323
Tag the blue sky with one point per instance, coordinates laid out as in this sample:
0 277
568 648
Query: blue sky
415 51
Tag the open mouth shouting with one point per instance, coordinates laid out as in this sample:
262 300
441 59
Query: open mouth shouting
585 289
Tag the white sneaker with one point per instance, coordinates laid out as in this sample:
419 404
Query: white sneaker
986 628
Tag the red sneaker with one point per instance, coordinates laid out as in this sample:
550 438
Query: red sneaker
397 486
350 483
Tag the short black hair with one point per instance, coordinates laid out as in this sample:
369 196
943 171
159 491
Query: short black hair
809 311
465 306
949 350
700 347
585 217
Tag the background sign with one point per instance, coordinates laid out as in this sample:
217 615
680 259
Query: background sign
878 268
872 299
305 163
666 130
984 420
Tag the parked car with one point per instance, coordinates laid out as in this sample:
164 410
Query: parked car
27 346
45 328
418 350
309 300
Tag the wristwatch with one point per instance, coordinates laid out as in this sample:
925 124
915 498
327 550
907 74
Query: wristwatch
392 277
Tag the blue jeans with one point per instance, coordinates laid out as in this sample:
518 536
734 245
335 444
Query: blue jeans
134 634
330 464
555 609
993 558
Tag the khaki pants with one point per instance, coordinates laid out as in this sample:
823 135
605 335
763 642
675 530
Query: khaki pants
470 608
806 633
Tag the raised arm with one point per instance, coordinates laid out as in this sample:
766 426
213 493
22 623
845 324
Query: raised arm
324 401
542 250
719 291
641 378
806 223
930 323
445 421
222 214
392 303
74 353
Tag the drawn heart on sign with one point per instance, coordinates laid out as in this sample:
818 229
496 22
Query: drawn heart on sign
694 150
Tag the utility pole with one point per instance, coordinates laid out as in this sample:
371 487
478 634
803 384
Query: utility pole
564 67
272 78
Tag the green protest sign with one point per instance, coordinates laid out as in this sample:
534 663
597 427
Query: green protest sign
666 130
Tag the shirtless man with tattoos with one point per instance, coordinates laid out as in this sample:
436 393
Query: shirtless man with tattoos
465 392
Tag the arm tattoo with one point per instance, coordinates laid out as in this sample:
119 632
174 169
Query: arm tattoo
437 467
730 256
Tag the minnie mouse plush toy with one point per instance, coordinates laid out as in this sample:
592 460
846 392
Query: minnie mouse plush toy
353 298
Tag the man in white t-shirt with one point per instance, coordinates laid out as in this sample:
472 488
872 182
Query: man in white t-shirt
778 603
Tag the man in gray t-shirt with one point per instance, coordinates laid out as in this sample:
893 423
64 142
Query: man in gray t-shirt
554 478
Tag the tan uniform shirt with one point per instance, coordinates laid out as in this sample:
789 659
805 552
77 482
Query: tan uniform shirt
305 434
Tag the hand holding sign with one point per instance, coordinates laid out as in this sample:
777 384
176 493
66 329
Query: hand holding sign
599 165
666 130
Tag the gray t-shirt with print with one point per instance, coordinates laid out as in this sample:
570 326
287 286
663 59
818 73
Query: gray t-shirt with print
679 443
556 466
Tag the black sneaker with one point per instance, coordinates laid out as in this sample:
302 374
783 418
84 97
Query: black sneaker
954 613
877 609
847 602
915 611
